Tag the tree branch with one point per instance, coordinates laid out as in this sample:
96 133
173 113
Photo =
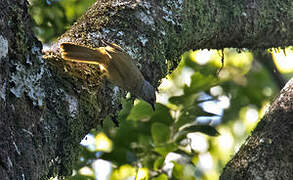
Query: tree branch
267 153
48 106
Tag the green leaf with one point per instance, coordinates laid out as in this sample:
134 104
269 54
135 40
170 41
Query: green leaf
179 136
141 110
185 153
178 170
161 177
183 120
126 108
160 133
145 141
195 159
183 99
196 111
166 148
204 100
206 129
159 163
126 134
199 83
177 99
189 114
162 114
148 160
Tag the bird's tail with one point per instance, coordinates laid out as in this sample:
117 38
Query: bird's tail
77 53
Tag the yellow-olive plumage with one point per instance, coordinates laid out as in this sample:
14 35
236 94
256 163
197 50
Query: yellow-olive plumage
120 68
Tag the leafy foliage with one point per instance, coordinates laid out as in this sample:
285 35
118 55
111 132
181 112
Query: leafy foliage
53 17
147 138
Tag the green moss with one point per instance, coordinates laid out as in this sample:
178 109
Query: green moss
21 34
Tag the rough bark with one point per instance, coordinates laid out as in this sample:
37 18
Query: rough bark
267 153
23 153
47 105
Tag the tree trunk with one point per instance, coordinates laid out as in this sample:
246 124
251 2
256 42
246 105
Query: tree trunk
47 105
267 153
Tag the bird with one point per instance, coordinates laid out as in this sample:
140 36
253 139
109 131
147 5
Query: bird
119 67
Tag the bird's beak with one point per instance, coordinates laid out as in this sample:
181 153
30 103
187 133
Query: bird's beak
153 106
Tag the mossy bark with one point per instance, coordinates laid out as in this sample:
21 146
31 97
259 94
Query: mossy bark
47 105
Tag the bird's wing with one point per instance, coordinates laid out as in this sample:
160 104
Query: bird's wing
112 45
78 53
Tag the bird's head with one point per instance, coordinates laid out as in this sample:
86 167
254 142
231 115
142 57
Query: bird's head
148 93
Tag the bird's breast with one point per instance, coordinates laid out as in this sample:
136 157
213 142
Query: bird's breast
123 72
